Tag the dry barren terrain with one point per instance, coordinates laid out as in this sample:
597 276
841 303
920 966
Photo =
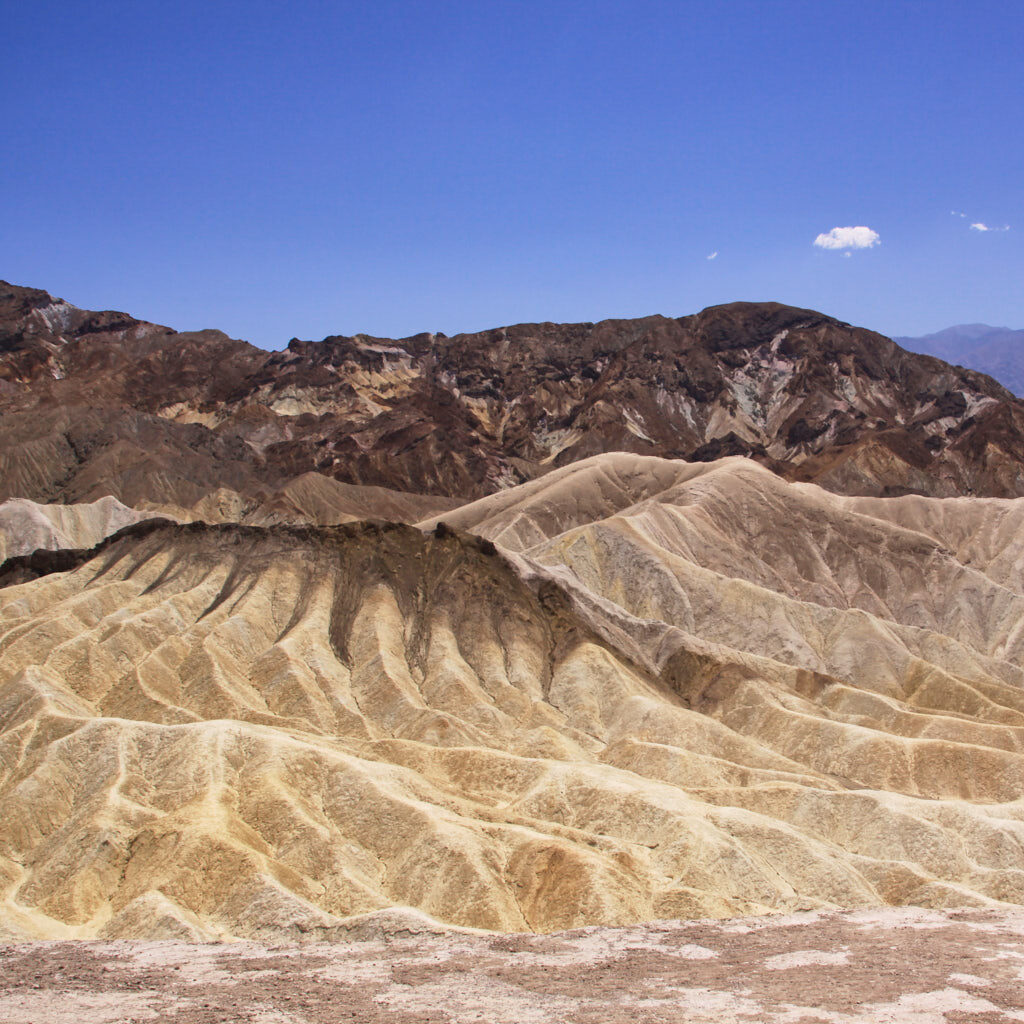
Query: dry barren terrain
97 404
871 967
634 689
508 677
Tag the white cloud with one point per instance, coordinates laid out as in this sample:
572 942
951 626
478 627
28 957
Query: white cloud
956 213
978 226
848 238
713 255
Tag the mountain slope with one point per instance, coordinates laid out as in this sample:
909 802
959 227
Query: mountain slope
26 526
95 404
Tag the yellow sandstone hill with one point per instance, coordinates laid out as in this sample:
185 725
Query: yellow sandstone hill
630 689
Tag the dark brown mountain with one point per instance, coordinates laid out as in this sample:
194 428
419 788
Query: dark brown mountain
101 403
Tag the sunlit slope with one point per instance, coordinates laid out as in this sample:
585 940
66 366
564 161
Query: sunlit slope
680 691
27 526
653 534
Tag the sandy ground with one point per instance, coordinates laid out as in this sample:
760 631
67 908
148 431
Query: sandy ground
908 965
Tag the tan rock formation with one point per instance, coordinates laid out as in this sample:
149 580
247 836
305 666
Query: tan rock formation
653 690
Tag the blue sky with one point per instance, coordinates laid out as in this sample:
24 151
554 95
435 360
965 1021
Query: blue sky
307 168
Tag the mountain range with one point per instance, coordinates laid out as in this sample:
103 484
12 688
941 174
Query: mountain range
96 404
543 627
997 351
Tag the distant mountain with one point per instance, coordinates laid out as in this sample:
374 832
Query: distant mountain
997 351
93 404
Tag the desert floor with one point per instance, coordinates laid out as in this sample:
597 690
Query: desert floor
909 966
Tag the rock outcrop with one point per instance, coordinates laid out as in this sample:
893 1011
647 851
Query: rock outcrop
531 629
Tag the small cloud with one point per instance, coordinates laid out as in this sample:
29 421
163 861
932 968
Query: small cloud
713 255
956 213
847 254
848 238
978 226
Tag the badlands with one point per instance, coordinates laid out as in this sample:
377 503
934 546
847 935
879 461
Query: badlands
632 689
567 629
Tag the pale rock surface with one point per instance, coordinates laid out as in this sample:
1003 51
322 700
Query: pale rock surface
308 499
27 526
891 966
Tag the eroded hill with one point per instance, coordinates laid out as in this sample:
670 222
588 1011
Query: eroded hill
647 689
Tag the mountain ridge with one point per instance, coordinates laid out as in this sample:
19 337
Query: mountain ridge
997 351
630 659
101 402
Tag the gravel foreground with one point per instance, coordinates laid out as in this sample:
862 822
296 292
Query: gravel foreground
905 965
